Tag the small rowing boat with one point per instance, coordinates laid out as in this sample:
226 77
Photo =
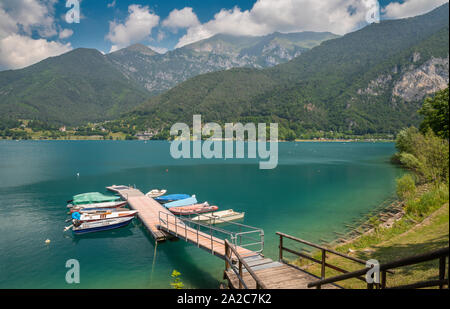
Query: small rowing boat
97 206
156 193
90 217
184 202
97 226
193 209
219 217
97 210
171 198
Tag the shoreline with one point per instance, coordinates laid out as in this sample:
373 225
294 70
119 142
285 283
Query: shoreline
385 217
219 140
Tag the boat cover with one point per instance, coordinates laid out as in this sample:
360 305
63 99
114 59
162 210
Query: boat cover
172 197
184 202
93 197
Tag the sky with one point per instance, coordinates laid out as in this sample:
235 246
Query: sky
32 30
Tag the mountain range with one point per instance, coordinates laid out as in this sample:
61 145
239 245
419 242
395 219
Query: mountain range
86 86
369 81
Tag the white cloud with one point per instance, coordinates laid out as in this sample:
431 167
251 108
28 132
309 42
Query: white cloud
161 36
410 8
65 33
137 27
112 4
18 20
267 16
184 18
32 15
159 50
7 24
17 51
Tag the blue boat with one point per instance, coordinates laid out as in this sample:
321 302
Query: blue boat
184 202
101 225
171 198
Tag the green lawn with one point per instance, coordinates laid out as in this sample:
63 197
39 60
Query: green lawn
398 242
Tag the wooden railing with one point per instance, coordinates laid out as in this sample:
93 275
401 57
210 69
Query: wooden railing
441 255
323 262
229 263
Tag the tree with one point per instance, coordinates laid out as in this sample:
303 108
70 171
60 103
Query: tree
435 111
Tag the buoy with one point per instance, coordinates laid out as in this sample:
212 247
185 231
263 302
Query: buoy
47 241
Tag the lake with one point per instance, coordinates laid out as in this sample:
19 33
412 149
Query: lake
315 191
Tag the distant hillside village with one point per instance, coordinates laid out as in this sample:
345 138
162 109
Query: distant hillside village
41 130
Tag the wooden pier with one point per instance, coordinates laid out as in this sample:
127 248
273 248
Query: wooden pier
148 209
244 267
162 224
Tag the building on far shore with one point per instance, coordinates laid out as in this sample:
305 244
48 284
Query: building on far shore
144 136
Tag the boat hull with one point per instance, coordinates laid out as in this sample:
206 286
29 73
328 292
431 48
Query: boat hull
171 198
219 217
111 205
156 193
192 210
86 228
86 217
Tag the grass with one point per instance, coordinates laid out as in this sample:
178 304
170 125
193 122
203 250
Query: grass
411 235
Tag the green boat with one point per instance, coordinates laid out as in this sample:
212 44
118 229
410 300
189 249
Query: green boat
92 199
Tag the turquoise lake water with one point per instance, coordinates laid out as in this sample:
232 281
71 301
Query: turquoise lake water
316 189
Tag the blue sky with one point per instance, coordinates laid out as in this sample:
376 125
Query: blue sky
94 25
32 30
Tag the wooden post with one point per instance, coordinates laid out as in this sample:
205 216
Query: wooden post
324 256
281 249
442 270
383 279
240 275
226 255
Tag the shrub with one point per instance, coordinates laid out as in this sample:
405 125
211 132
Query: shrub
429 201
406 187
176 284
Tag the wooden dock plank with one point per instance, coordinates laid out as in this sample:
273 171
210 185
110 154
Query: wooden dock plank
148 211
278 277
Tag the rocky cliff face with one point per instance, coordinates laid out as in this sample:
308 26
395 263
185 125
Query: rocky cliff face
158 73
412 82
418 82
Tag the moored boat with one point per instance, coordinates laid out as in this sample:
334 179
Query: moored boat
97 206
156 193
100 225
97 210
219 217
171 198
184 202
90 217
92 198
193 209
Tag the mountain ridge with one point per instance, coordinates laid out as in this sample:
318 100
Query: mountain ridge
85 85
318 89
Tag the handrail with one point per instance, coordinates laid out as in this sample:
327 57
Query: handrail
322 261
234 236
322 248
241 262
441 254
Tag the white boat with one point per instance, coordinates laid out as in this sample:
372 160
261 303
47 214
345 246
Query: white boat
219 217
100 225
156 193
114 204
90 217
